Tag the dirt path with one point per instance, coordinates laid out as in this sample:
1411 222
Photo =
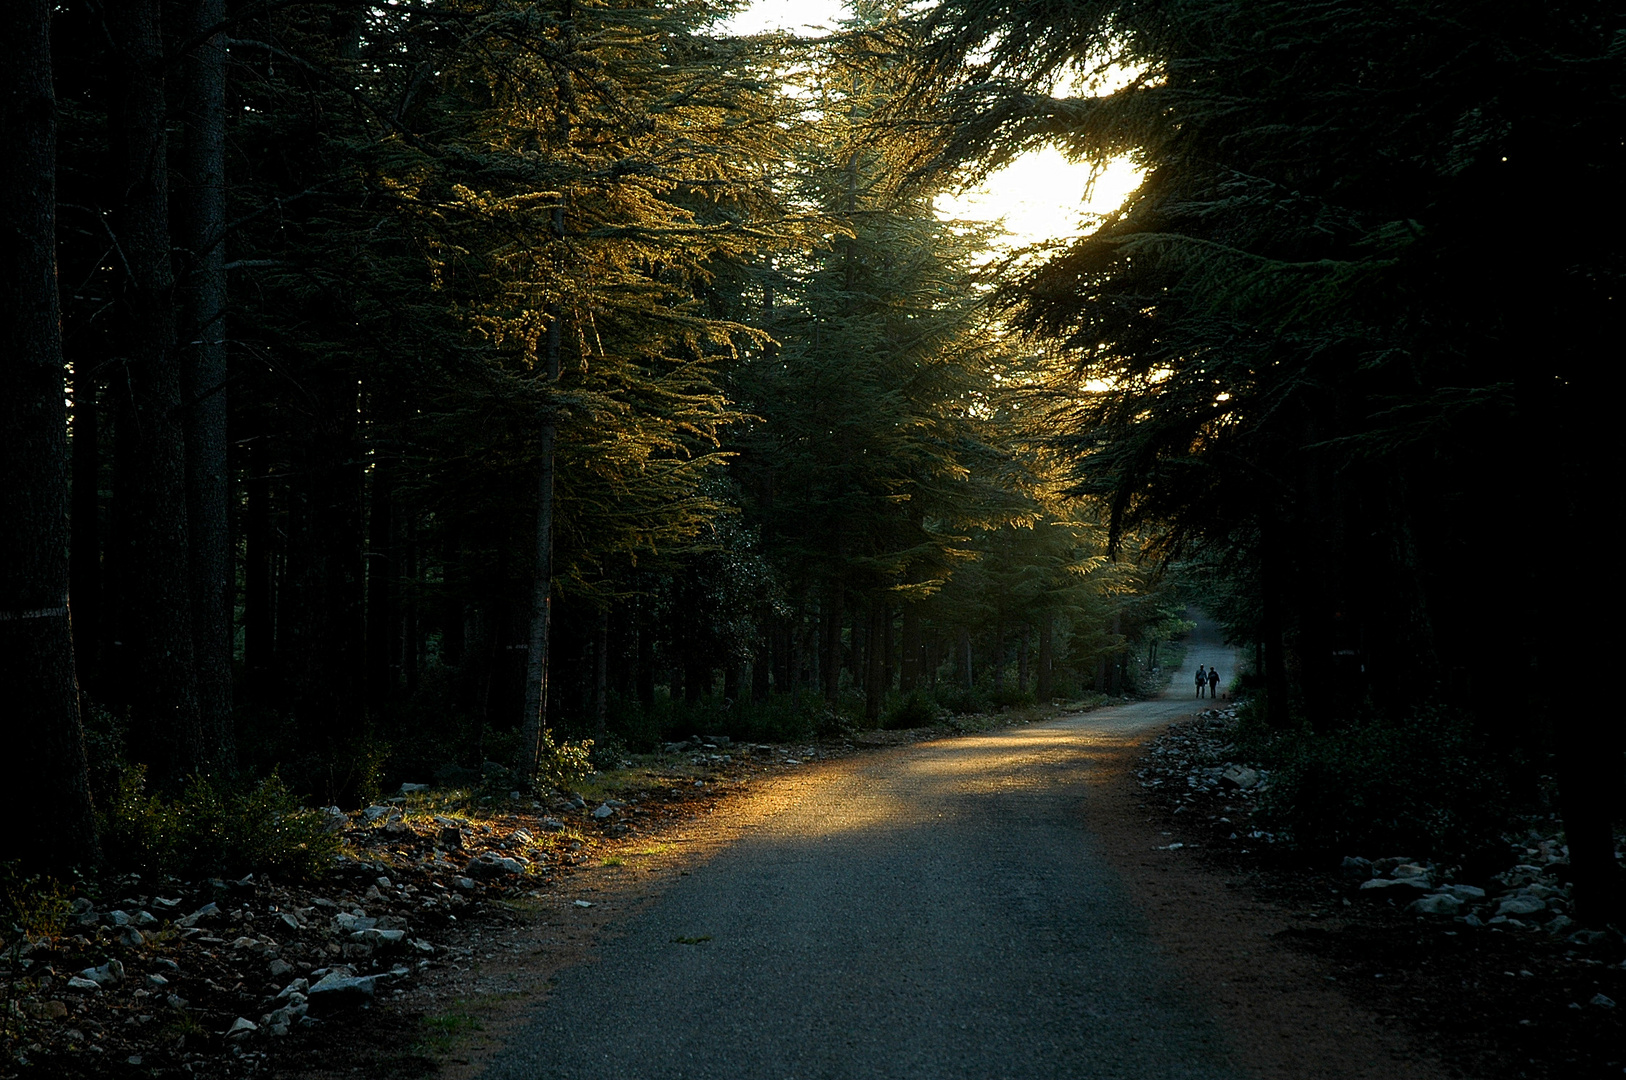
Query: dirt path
986 906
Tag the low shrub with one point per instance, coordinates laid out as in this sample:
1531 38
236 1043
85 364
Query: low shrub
915 710
215 829
1422 785
32 906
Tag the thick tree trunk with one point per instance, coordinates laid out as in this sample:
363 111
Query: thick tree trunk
158 668
1271 584
202 237
259 604
85 553
909 669
383 593
875 684
999 655
601 673
1047 659
968 674
646 657
830 660
321 627
534 718
48 787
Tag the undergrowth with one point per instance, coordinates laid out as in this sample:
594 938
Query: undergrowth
1418 785
213 828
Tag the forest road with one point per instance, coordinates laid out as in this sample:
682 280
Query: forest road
938 911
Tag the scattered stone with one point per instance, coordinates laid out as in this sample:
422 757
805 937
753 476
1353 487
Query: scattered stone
408 789
603 812
207 911
1514 906
1378 886
241 1028
108 974
1240 777
79 982
374 812
490 865
466 884
584 903
451 837
279 967
1356 869
553 824
1465 892
337 990
1602 1001
1437 904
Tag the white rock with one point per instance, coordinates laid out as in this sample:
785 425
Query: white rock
1521 905
337 989
78 982
603 812
241 1028
1602 1001
1379 885
1437 904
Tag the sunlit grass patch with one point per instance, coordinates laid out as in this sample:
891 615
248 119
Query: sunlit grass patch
613 860
442 1032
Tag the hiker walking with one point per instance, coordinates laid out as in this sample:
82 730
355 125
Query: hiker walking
1213 683
1202 678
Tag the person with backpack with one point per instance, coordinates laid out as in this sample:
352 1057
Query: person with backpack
1213 683
1202 679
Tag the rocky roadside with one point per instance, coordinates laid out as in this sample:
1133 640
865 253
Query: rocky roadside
252 977
1487 969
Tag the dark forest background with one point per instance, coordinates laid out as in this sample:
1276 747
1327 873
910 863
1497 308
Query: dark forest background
391 389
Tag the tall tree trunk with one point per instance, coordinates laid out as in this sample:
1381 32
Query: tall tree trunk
48 787
968 674
909 669
202 236
875 682
645 630
259 604
601 672
999 654
155 607
830 661
85 552
1047 658
383 592
534 719
1022 662
1271 584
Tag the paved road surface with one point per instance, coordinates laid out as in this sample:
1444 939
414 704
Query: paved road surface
933 913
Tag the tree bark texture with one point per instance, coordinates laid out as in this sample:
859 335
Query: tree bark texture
202 238
1047 658
534 718
49 787
158 659
85 552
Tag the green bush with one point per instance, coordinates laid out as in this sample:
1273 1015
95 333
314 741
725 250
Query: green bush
31 906
563 764
1419 786
957 699
918 709
214 829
